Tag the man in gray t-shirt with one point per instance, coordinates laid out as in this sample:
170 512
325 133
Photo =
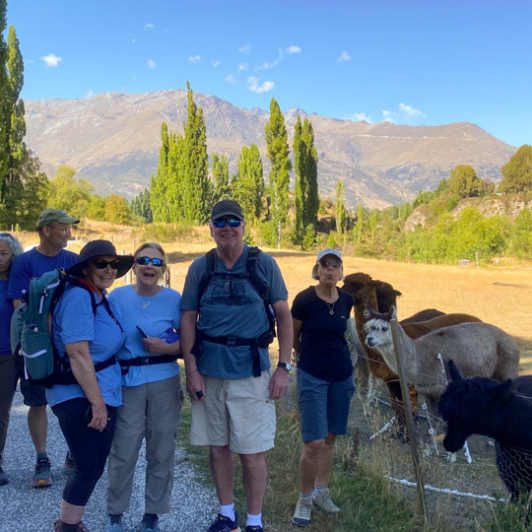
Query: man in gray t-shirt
233 411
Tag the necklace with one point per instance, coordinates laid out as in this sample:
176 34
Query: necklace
331 307
143 304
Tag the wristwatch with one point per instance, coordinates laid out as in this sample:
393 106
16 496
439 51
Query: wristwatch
285 365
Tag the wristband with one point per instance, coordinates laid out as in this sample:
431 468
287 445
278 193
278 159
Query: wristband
191 371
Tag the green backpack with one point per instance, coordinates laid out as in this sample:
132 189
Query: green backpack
31 329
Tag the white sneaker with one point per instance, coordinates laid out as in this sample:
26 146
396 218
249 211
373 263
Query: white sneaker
303 511
323 501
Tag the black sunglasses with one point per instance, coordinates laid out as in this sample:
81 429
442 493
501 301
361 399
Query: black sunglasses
334 263
221 222
144 261
101 264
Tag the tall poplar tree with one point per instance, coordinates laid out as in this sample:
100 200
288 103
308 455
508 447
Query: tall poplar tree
339 208
197 197
278 153
23 187
220 175
158 184
247 186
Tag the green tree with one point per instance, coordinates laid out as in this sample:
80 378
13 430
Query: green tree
140 206
197 198
23 186
464 182
97 208
159 182
68 193
517 172
339 207
117 210
280 166
220 175
247 186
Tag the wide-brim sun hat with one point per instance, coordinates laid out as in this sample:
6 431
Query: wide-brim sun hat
101 248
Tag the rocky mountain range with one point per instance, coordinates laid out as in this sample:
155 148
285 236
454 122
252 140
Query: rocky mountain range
113 141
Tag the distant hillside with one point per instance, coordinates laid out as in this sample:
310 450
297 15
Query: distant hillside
112 140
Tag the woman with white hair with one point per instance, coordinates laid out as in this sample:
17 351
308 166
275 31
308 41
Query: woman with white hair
325 382
9 249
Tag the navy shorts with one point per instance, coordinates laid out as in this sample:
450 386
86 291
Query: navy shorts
323 405
34 394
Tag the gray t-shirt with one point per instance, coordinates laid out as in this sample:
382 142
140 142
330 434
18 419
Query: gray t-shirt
231 306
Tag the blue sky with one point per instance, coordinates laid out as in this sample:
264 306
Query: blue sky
413 62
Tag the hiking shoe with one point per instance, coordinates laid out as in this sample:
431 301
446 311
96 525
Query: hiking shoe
250 528
224 524
43 474
81 526
113 523
4 479
323 501
69 462
303 511
150 523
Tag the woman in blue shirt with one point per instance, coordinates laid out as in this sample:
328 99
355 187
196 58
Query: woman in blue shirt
151 390
9 249
86 331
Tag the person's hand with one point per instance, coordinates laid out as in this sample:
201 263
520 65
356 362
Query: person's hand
279 383
99 417
154 345
196 386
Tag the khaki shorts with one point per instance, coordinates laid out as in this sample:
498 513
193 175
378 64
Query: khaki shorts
237 412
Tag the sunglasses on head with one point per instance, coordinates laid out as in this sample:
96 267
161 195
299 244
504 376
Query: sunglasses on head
334 263
101 264
221 222
144 261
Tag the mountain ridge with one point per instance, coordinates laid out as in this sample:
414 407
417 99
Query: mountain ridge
113 139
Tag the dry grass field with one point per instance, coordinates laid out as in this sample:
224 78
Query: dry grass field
500 294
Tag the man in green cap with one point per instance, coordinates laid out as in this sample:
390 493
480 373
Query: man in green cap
55 228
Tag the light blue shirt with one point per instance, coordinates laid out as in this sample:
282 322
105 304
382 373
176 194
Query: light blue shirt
232 307
74 321
154 315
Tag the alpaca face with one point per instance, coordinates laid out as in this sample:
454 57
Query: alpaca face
379 333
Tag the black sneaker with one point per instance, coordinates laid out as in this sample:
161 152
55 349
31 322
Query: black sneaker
150 523
224 524
43 474
4 479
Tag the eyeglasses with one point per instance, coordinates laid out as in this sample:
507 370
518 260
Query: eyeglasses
101 264
221 222
64 230
334 263
144 261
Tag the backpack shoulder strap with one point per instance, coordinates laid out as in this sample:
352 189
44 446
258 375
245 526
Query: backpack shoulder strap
212 261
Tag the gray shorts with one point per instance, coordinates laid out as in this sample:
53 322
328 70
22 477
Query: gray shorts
237 412
323 405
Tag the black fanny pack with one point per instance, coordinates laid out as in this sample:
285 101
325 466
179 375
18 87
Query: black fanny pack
145 361
65 376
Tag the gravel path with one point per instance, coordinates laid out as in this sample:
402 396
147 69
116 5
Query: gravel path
26 509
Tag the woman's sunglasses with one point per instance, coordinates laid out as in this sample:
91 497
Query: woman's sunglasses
144 261
334 263
101 264
221 222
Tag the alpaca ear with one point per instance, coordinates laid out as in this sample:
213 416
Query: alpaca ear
392 312
454 372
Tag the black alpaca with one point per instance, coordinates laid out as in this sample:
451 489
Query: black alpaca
502 411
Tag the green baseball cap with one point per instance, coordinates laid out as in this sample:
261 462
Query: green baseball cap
49 216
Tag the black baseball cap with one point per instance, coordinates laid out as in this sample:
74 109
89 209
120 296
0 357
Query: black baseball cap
227 207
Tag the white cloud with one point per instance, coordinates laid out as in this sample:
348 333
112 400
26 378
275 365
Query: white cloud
52 60
356 117
253 84
89 94
194 59
388 116
245 49
293 50
409 110
344 56
231 79
268 66
149 26
242 67
215 63
151 63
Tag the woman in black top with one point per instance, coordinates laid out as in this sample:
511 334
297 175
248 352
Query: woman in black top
325 381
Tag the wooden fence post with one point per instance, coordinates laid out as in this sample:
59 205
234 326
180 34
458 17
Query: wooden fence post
422 508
